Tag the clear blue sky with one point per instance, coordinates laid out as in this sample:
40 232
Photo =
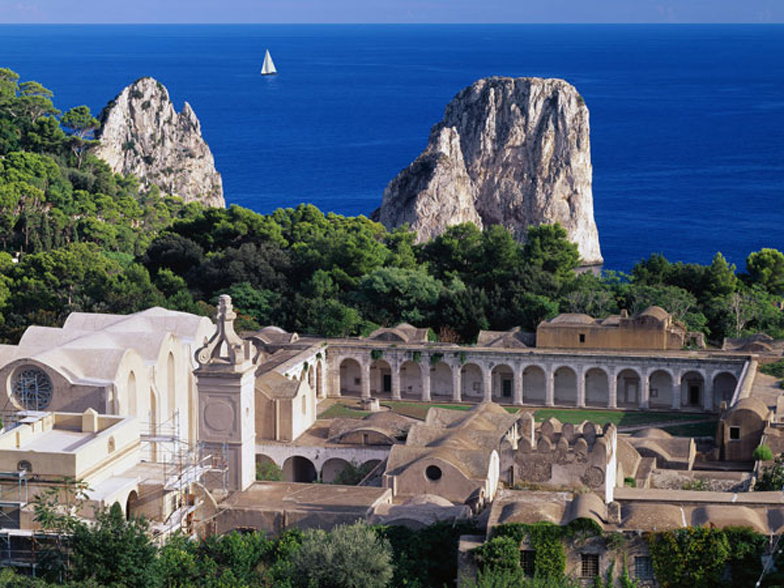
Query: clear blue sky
391 11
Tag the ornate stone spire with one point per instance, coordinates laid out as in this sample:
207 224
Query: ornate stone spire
226 349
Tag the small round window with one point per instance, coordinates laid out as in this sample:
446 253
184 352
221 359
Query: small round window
32 389
433 473
24 466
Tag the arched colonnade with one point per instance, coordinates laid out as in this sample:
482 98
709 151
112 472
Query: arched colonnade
545 383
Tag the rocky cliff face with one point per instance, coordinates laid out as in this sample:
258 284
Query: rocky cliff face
509 151
142 134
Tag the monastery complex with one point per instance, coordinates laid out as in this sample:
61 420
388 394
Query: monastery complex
171 415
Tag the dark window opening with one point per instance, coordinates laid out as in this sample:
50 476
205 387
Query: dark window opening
694 394
582 337
643 568
507 388
590 565
387 386
734 433
528 562
433 473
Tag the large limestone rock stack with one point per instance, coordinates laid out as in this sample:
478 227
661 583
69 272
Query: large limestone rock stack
142 134
509 151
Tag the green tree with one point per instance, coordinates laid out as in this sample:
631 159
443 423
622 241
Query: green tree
80 125
350 556
114 551
766 267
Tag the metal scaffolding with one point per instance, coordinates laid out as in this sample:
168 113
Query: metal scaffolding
184 465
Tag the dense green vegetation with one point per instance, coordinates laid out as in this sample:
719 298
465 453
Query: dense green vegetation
87 239
119 552
695 557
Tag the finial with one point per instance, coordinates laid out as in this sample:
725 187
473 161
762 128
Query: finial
225 348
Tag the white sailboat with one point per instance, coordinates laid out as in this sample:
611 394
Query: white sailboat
268 69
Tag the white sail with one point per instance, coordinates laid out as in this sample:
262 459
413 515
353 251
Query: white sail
268 68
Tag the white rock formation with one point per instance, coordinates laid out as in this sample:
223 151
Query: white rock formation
142 134
509 151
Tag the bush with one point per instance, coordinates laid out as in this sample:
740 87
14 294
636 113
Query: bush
772 477
763 453
500 553
351 556
268 471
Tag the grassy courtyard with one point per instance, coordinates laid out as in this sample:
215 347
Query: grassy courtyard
344 408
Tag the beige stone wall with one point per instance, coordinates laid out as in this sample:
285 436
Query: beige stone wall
751 429
453 485
637 337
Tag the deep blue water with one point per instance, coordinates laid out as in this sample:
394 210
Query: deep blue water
687 121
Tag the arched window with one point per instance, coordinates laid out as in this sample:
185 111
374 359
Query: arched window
32 388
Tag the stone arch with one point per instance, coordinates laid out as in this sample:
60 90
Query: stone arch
131 504
332 468
502 382
692 389
629 388
380 378
441 380
350 377
565 386
153 423
319 380
660 389
299 469
311 376
597 387
171 390
370 464
724 384
411 380
131 394
471 382
534 385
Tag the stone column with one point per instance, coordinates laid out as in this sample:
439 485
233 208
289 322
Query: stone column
645 392
424 367
612 382
364 370
517 392
580 371
676 391
225 381
707 392
457 383
549 394
487 383
395 367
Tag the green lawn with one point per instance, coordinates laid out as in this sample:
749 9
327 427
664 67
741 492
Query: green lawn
620 418
416 410
339 410
706 429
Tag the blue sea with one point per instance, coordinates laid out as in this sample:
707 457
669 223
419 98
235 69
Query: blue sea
687 122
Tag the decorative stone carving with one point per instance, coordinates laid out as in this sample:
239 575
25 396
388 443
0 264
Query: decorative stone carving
226 350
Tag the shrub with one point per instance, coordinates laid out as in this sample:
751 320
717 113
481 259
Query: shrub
500 553
351 556
268 472
772 477
763 453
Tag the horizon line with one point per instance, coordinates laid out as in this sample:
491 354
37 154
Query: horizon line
400 23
